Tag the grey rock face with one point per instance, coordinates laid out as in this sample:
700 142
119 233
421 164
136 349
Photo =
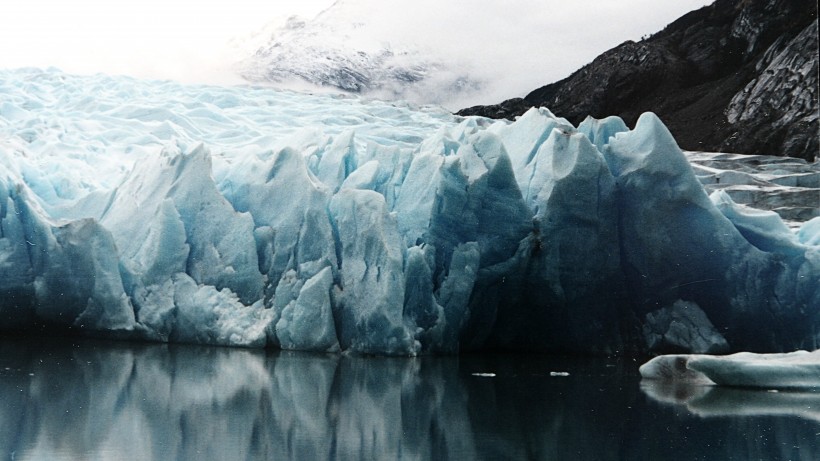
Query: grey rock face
738 76
781 102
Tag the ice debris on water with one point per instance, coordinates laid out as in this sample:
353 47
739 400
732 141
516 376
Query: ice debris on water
255 217
799 369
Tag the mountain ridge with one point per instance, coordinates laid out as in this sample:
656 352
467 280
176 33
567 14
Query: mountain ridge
737 75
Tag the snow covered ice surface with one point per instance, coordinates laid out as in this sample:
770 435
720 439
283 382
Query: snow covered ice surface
255 217
788 186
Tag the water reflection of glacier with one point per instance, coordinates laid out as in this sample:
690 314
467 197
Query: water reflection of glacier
92 400
711 401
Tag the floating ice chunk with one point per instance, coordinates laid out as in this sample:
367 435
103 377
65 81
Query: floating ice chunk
672 368
704 399
771 371
795 369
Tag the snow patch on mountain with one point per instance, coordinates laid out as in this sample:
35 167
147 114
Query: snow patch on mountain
347 47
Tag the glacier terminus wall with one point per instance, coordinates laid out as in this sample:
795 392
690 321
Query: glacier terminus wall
255 217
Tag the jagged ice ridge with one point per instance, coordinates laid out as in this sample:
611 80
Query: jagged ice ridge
257 217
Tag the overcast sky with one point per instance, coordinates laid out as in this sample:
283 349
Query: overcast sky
186 40
176 39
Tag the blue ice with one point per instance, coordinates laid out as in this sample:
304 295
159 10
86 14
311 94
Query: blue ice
256 217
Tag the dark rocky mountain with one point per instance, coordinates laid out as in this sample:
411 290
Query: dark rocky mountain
735 76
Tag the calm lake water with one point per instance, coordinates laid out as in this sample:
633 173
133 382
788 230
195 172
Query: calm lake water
82 399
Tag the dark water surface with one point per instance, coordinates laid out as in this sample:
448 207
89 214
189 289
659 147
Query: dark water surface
81 399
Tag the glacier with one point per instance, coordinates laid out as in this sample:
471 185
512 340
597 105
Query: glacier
256 217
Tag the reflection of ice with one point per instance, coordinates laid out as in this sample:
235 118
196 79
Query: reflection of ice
673 392
749 402
91 400
709 401
188 402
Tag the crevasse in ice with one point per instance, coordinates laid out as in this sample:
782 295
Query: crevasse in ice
254 217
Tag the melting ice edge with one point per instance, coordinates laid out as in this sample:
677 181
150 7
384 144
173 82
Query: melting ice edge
256 217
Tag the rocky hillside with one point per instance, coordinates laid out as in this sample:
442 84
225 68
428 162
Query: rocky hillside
736 76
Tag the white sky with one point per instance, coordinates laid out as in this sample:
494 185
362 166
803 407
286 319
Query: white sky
186 40
175 39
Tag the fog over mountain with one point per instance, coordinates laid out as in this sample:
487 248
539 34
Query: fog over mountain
448 53
468 53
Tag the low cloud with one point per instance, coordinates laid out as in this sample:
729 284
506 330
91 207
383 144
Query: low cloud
516 45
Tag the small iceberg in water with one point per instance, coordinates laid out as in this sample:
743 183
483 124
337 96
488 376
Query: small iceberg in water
743 384
799 369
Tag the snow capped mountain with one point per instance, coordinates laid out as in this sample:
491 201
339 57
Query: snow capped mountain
348 48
